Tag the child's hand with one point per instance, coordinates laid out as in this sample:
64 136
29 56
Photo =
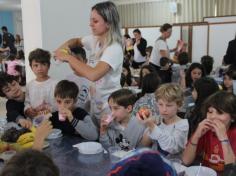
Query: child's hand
66 113
31 112
219 129
143 113
25 123
104 124
202 128
42 131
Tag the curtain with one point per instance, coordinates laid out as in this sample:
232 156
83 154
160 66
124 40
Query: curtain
158 13
226 7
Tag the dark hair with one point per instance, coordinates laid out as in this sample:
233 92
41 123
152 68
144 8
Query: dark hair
137 31
165 27
66 89
20 55
79 52
11 57
164 61
207 63
123 97
5 79
150 83
148 67
188 77
39 55
222 101
126 36
30 162
128 77
149 49
4 28
183 58
205 87
231 73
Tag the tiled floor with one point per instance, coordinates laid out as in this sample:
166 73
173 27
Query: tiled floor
2 107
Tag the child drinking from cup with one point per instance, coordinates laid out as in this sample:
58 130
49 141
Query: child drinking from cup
124 129
70 119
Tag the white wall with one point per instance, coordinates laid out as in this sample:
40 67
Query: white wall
47 24
17 20
199 42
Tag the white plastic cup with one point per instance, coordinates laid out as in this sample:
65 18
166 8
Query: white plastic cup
61 117
113 153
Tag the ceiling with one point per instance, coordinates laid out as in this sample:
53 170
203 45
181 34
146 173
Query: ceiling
10 5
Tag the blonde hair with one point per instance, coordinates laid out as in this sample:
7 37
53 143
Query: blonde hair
108 11
170 92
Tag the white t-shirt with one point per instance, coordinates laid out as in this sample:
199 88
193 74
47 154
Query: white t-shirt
83 85
110 82
137 55
37 92
155 55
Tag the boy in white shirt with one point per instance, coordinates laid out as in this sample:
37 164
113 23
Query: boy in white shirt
40 91
170 132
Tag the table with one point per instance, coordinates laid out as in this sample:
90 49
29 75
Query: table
71 163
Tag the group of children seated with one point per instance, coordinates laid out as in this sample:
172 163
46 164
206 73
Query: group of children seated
151 119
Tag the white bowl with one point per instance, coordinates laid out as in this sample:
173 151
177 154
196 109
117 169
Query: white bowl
89 148
204 171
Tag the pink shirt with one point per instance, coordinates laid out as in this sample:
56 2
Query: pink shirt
11 65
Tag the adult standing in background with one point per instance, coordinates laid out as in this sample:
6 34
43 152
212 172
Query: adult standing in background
161 48
230 56
8 41
140 45
19 43
105 62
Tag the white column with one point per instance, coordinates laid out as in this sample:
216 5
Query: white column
47 24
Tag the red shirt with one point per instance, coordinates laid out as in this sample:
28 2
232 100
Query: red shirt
210 148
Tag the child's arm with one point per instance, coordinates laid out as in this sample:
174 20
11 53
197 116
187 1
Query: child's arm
171 142
28 110
41 133
85 127
104 138
189 153
146 140
220 130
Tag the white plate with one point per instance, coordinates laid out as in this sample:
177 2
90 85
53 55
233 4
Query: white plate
204 171
89 148
56 133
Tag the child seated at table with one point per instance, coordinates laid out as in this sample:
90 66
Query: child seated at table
70 119
215 137
120 128
165 71
150 84
11 90
39 92
229 77
169 133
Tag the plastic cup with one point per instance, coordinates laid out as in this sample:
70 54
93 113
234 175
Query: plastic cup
114 153
61 117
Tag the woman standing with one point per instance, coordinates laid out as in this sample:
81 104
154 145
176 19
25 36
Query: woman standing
161 48
105 62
